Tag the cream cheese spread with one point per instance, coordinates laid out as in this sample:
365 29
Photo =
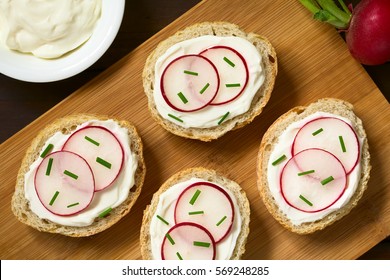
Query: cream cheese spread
112 196
166 208
47 29
283 146
210 115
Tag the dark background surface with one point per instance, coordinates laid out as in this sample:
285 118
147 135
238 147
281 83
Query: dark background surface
23 102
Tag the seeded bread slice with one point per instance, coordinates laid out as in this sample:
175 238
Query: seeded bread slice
261 98
20 205
270 139
208 175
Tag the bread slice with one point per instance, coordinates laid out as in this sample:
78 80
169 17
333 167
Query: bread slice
20 205
270 139
208 175
222 29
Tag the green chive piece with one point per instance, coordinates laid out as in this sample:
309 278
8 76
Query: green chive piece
204 88
306 172
190 73
327 180
182 97
228 61
170 239
72 205
196 213
92 141
179 256
201 244
195 197
48 169
47 150
70 174
342 144
103 162
305 200
54 198
105 212
317 132
223 118
232 85
221 221
162 220
279 160
175 118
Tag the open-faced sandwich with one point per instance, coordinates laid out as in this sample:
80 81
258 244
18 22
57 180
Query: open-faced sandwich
208 79
81 175
196 214
313 165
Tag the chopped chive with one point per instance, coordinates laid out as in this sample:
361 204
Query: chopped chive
92 141
305 200
306 172
196 213
342 144
170 239
195 197
204 88
232 85
162 220
221 221
179 256
54 198
228 61
279 160
223 118
175 118
72 205
317 132
182 97
327 180
48 169
190 73
103 162
47 150
70 174
105 212
202 244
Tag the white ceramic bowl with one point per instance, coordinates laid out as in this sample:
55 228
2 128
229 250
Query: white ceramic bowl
28 68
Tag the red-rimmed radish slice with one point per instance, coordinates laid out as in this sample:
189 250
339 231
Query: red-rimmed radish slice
206 204
188 241
312 180
330 134
64 183
233 72
101 149
189 83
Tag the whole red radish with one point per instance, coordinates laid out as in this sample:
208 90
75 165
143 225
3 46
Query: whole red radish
368 35
367 27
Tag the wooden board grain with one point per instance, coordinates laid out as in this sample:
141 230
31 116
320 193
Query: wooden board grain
313 63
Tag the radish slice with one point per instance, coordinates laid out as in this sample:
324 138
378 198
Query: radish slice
312 180
233 72
188 241
101 149
64 183
332 135
208 205
189 83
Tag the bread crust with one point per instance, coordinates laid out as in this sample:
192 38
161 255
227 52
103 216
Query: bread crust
208 175
20 205
260 99
270 139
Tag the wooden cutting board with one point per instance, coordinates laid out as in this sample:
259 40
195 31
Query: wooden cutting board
313 63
